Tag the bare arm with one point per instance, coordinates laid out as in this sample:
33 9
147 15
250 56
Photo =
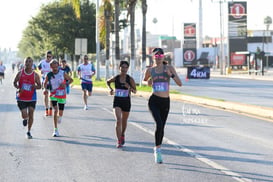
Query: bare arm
68 77
147 80
108 82
133 85
45 82
37 81
172 73
16 80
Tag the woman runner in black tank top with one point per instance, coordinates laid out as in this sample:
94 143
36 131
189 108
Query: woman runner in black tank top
124 85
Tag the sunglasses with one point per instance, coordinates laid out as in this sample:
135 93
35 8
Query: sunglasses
159 55
49 56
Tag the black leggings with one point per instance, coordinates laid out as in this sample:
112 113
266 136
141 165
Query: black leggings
159 107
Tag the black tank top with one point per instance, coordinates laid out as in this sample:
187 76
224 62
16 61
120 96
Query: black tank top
121 86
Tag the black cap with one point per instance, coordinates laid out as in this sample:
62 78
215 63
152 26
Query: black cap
158 51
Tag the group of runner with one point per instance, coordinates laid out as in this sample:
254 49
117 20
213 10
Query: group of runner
55 81
158 76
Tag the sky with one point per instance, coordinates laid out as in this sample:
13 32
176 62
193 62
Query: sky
170 15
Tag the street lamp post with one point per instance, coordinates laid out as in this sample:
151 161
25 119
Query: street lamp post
221 40
97 42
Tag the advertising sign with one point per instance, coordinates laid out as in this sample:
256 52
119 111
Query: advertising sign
189 46
189 31
198 72
237 30
237 59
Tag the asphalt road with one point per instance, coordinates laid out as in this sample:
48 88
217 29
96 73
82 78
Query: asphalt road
247 91
201 144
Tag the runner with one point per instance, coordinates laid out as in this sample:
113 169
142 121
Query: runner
2 71
124 85
158 76
44 67
56 79
67 70
85 71
27 81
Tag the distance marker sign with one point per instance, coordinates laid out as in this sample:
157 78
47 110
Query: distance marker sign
198 72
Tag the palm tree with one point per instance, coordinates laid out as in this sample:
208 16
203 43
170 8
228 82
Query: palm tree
108 11
76 4
144 11
131 13
117 48
267 22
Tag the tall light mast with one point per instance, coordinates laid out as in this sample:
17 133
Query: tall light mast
200 39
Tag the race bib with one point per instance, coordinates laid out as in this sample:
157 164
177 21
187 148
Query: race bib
121 93
160 86
60 92
26 86
87 77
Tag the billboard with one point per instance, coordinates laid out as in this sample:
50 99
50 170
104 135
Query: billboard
237 30
189 46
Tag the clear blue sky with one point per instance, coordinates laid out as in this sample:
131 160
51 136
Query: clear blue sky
171 14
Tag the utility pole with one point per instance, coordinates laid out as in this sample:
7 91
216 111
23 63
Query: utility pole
200 24
98 42
221 39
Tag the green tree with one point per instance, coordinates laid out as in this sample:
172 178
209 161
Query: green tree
76 4
55 28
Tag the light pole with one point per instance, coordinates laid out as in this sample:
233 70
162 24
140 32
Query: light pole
200 24
221 39
98 42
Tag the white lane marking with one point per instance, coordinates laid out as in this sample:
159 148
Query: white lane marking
190 152
199 157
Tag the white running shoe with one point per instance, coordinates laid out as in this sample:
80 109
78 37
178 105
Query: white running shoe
158 156
85 107
56 133
59 119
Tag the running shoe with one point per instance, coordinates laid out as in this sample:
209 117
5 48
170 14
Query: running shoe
56 133
60 119
50 112
122 139
85 107
46 112
28 135
25 122
119 145
158 156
